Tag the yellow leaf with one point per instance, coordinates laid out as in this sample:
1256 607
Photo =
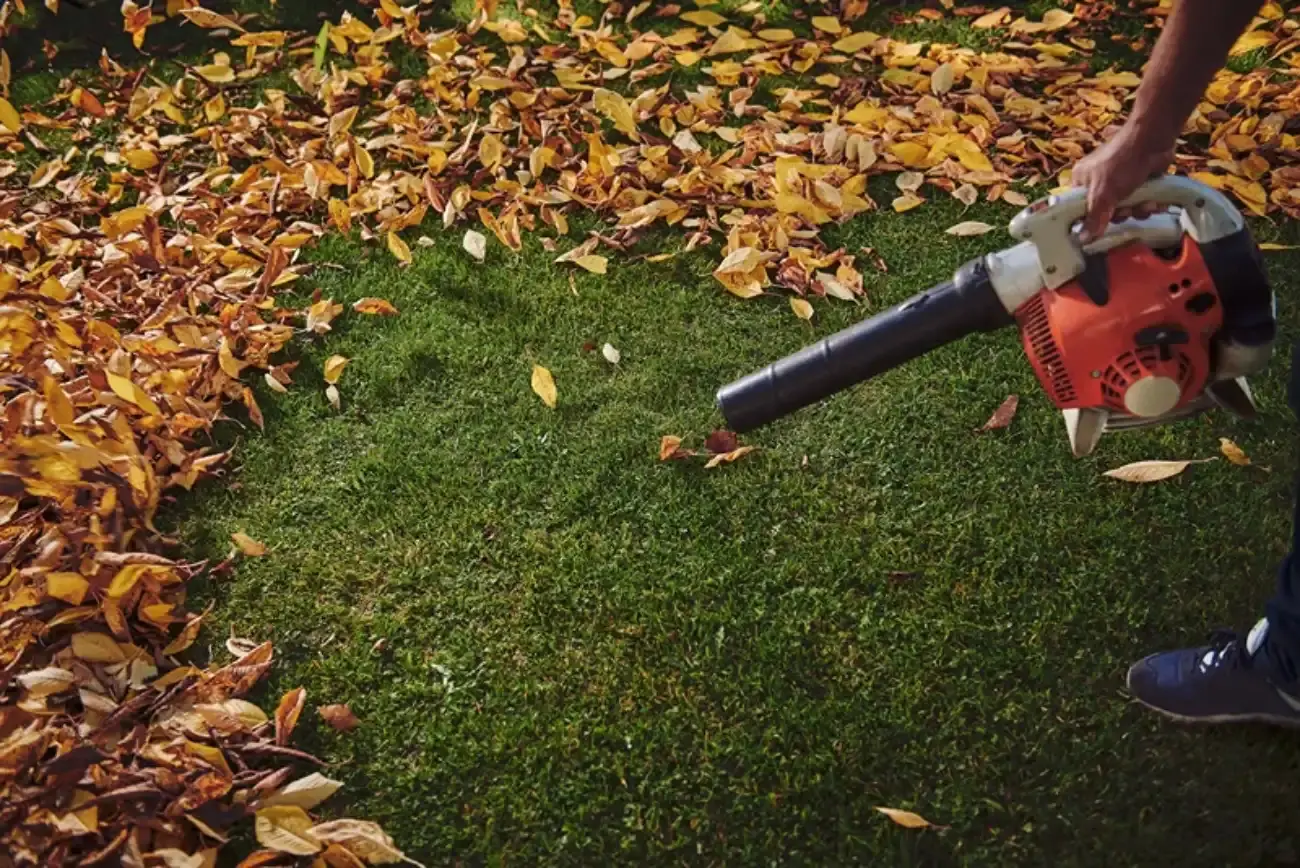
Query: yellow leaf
214 109
855 42
613 106
491 151
592 262
97 648
968 228
801 308
704 18
941 79
399 249
1151 471
342 122
9 116
992 19
217 73
248 545
1233 452
209 19
139 158
910 154
827 24
905 818
127 390
777 35
741 261
544 385
365 162
1248 42
687 58
907 202
69 587
286 828
226 358
340 214
1270 245
374 306
334 366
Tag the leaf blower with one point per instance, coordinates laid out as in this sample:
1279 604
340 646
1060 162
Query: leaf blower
1159 319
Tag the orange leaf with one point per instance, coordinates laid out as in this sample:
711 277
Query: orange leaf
340 717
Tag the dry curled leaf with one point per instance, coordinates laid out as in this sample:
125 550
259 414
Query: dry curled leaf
1152 471
670 447
728 457
1003 415
611 354
374 306
339 716
1233 452
544 385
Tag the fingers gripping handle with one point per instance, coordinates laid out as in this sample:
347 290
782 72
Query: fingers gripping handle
1207 215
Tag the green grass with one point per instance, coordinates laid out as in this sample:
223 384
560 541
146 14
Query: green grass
565 652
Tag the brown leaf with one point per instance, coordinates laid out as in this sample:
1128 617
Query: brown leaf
670 447
361 838
721 441
1003 415
340 717
728 457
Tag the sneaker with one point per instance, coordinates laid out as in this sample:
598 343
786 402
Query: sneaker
1224 682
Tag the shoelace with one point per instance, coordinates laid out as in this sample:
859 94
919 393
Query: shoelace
1227 649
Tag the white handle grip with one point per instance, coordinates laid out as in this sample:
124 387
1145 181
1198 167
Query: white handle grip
1207 215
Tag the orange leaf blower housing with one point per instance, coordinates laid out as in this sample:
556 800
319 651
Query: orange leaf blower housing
1133 333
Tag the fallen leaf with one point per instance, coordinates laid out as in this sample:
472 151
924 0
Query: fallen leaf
287 712
305 793
248 545
907 819
1003 415
1271 245
1013 197
286 829
475 244
340 717
670 446
1151 471
332 395
334 366
374 306
9 117
801 308
968 228
1233 452
728 457
722 441
612 355
906 202
362 839
399 248
592 262
544 385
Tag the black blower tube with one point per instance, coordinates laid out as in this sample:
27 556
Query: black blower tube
950 311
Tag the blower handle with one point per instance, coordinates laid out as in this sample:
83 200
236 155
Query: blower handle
1207 216
940 315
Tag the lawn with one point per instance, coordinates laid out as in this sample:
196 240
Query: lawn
564 651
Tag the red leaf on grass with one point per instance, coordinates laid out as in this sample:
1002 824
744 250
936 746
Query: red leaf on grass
1003 415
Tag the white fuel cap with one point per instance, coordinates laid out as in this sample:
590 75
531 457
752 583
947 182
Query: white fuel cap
1152 396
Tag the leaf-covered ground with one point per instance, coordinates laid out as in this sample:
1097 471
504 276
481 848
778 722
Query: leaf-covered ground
561 650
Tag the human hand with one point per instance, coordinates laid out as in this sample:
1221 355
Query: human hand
1113 171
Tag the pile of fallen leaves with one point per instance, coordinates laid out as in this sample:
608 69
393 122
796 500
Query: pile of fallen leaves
147 227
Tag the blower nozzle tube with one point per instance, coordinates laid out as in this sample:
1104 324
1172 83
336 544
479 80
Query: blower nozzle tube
964 305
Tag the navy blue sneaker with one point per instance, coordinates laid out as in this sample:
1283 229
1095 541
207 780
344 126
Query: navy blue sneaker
1228 681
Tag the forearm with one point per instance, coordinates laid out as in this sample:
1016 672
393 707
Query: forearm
1192 48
